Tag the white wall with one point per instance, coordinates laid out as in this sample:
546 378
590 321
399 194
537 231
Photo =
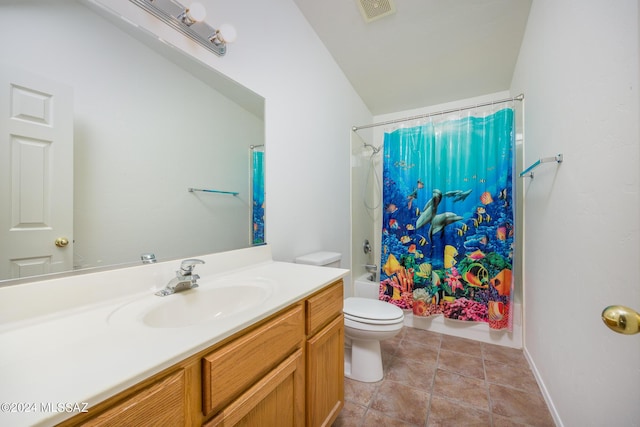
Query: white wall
145 130
310 109
578 68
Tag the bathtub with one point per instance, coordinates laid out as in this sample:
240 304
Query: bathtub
366 286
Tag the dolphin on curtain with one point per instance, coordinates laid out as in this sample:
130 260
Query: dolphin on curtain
430 209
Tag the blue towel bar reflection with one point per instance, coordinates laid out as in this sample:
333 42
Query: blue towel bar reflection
191 190
529 171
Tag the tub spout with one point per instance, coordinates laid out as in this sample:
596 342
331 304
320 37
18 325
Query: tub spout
371 268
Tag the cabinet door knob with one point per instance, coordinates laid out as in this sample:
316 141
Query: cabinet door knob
61 242
621 319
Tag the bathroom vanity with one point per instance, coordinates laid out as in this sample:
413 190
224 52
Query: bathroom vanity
275 360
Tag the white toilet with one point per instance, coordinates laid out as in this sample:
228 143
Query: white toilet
367 321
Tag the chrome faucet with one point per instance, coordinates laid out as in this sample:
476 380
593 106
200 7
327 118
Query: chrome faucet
185 279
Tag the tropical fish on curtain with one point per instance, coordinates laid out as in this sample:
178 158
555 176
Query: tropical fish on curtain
448 220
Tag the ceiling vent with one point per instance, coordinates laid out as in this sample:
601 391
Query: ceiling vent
376 9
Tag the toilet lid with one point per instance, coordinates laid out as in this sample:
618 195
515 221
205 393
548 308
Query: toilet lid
371 311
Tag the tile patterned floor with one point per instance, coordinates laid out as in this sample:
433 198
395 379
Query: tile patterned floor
433 379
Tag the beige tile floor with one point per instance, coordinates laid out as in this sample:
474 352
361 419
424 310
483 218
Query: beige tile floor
433 379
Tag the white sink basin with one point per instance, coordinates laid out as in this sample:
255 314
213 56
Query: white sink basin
214 300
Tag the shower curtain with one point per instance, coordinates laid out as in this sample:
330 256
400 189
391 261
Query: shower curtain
448 220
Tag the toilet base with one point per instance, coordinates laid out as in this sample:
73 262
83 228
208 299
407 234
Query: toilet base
368 368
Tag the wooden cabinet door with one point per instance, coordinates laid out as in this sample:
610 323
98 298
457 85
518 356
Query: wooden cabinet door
325 374
277 400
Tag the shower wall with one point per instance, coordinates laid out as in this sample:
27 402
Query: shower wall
364 192
367 224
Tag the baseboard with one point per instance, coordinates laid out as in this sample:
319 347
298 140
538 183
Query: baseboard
543 389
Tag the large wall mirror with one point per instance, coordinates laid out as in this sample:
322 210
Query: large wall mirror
105 129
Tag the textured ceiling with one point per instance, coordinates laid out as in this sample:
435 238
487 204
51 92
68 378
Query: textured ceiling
428 52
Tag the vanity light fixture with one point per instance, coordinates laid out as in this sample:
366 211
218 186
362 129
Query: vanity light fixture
190 22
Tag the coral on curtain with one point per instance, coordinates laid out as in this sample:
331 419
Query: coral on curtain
448 220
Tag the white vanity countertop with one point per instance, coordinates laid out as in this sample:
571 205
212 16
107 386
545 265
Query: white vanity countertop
73 354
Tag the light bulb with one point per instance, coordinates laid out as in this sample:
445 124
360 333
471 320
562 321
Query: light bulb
197 12
227 33
194 13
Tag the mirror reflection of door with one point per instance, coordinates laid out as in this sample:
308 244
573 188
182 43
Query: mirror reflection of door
36 175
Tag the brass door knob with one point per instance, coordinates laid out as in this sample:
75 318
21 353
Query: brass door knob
621 319
61 242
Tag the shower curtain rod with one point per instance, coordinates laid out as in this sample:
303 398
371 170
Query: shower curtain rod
452 110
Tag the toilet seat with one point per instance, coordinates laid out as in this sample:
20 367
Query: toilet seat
372 312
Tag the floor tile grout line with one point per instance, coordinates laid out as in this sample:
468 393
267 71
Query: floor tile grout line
433 382
374 395
486 385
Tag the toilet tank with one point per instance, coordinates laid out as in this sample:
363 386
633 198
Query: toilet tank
323 258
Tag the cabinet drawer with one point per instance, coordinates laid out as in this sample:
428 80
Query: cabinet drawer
232 369
162 403
323 307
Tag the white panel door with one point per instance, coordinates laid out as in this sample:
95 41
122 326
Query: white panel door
36 174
